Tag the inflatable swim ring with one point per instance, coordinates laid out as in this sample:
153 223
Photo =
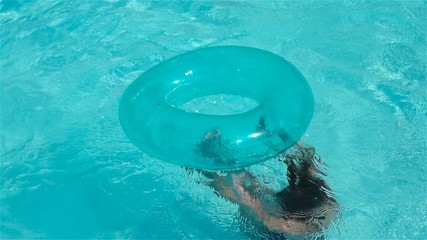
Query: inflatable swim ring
151 116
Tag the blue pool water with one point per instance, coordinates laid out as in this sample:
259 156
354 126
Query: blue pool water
68 171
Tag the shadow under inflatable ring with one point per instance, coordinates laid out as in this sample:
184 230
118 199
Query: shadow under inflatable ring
150 115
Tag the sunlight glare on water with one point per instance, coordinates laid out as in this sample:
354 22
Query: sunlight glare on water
220 104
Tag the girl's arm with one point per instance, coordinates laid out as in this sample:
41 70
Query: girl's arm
224 185
273 223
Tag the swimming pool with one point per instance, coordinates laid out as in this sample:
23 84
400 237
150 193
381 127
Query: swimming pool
68 171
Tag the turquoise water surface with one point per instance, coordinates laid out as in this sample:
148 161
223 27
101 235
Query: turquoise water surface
69 171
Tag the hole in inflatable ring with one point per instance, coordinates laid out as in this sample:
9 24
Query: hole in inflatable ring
219 105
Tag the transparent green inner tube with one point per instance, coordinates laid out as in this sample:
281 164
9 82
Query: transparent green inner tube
151 117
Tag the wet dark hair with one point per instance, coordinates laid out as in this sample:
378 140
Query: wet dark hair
306 195
306 190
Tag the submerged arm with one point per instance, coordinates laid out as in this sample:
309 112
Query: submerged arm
220 184
224 185
273 223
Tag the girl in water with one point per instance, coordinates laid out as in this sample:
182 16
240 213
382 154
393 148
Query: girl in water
304 207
